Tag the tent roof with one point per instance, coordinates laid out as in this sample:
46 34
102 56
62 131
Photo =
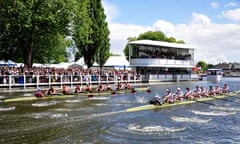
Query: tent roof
117 61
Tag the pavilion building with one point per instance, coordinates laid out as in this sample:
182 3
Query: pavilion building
162 61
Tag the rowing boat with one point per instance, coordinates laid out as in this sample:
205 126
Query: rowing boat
177 103
59 96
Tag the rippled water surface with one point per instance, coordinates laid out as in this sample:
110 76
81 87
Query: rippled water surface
103 119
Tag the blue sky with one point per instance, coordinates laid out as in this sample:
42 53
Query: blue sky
212 26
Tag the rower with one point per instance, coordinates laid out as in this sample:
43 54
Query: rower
65 90
88 88
188 94
39 93
179 94
78 89
225 89
100 88
168 97
127 85
204 92
211 91
109 87
217 90
119 86
51 91
197 92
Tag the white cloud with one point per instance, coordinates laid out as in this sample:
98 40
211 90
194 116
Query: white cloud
232 14
214 5
215 42
231 4
110 11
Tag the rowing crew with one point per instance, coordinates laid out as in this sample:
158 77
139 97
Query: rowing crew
78 89
189 94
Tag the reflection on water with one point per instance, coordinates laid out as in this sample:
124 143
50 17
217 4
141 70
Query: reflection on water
102 119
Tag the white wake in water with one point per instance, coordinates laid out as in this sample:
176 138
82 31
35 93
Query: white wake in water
224 108
213 113
2 97
28 94
141 100
153 129
44 104
73 101
191 120
7 108
48 115
99 98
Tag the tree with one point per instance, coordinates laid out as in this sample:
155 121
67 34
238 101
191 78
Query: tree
203 65
34 31
91 32
126 49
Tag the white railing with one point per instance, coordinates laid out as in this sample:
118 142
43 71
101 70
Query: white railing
23 81
161 62
172 77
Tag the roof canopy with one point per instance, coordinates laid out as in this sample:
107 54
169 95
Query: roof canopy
161 43
117 61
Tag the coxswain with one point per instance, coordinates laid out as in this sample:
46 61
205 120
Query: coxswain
156 100
78 89
225 89
168 97
179 94
188 94
65 90
39 93
51 91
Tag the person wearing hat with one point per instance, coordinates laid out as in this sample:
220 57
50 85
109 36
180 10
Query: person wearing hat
156 100
39 93
168 97
179 94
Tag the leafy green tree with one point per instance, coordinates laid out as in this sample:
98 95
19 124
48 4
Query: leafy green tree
203 65
126 49
34 31
91 32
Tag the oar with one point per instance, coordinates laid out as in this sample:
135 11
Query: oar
205 102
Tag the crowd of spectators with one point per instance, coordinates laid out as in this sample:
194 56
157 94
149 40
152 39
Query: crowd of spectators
46 74
158 53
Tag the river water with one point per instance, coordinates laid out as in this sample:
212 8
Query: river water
103 120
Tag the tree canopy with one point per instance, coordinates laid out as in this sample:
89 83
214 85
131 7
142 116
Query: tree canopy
151 35
36 31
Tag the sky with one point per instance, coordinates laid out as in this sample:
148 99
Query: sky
213 27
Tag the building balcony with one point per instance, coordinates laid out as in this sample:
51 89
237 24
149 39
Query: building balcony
146 62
